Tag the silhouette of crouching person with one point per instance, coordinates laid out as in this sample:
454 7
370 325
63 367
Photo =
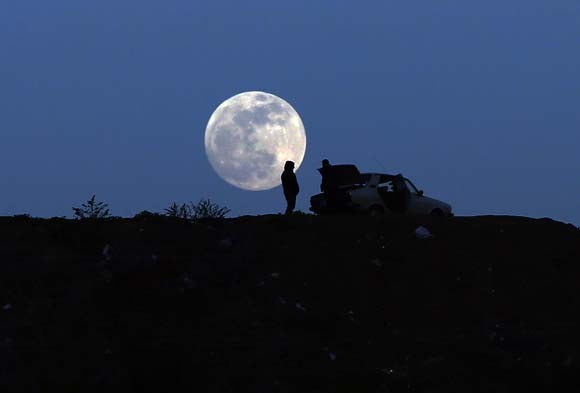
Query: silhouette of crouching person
290 186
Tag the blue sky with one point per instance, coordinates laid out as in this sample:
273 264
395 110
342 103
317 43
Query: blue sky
477 102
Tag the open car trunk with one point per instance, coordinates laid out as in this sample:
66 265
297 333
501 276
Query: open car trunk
339 179
338 176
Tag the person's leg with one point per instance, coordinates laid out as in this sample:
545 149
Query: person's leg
291 204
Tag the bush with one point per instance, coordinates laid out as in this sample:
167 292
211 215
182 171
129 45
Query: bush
207 209
145 214
92 210
24 216
178 211
204 209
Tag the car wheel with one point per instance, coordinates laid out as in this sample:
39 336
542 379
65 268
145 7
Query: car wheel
437 213
376 210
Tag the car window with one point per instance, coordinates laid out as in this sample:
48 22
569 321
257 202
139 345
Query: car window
388 186
366 177
411 187
384 179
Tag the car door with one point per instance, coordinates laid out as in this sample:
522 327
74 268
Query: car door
417 203
368 196
385 192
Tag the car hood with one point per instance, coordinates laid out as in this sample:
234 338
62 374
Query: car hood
341 175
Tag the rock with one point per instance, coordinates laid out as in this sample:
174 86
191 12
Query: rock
107 252
350 315
422 233
225 244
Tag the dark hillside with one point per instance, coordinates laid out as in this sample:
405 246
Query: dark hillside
299 304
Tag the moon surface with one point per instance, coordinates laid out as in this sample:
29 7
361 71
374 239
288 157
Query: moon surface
250 136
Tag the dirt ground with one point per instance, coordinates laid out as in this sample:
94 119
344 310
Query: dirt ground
289 304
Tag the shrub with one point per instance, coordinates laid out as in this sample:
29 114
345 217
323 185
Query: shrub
178 211
146 214
207 209
204 209
172 210
92 210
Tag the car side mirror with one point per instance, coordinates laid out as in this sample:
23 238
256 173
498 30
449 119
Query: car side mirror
420 192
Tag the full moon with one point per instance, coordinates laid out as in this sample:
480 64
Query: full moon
250 136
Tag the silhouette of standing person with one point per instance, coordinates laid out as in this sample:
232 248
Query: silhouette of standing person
290 186
324 173
326 185
402 193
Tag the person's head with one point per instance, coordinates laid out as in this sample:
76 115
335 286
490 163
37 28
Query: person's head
325 163
289 165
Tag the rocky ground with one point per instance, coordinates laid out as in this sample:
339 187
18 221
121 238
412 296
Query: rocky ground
289 304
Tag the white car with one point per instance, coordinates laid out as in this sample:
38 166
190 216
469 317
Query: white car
375 193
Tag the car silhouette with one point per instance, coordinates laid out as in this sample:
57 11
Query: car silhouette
347 190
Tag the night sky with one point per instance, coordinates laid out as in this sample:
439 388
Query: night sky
477 102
